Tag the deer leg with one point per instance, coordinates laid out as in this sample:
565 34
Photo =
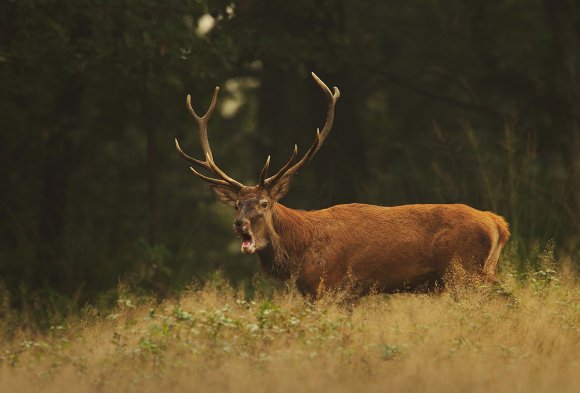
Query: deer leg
464 259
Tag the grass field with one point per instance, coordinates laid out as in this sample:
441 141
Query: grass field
213 339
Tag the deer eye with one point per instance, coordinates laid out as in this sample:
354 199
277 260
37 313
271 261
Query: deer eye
264 204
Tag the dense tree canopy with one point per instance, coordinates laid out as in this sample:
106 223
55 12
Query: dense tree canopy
442 101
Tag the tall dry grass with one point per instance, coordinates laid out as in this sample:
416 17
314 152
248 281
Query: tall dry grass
213 339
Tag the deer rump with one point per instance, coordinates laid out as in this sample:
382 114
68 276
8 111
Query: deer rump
388 248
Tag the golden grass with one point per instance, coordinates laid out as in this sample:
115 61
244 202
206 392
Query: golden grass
211 339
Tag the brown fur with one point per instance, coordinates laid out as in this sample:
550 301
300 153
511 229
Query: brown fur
370 247
388 248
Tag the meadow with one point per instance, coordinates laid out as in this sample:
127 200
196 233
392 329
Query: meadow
216 338
103 226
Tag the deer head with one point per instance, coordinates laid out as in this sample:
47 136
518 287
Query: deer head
254 204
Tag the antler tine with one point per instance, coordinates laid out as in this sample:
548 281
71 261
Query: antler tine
189 158
264 172
203 164
219 172
210 179
332 97
291 171
209 163
202 121
311 151
281 172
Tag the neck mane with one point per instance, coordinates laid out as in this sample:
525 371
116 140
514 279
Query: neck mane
290 235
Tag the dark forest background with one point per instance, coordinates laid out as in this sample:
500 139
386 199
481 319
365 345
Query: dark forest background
475 102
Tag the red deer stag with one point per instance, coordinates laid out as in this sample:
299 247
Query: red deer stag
385 248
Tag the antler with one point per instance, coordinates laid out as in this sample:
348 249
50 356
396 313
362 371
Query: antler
208 164
290 168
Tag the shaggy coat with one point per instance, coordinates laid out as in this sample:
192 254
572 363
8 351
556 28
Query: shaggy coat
367 247
386 248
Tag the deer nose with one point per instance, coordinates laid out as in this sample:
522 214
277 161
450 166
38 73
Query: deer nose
242 224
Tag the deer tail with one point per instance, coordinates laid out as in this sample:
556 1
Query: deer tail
502 227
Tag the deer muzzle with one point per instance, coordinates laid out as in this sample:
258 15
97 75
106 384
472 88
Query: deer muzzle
242 228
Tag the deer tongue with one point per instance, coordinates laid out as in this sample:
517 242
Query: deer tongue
246 243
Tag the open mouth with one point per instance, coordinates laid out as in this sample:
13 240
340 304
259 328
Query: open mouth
248 243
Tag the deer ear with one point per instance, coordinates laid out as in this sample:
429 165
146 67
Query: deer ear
280 188
225 195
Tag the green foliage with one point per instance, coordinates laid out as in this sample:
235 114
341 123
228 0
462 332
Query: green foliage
391 351
442 101
215 334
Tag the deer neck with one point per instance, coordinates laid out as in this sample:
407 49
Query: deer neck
290 235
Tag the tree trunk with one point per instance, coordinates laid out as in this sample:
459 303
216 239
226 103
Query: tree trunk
563 16
58 165
346 153
149 126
